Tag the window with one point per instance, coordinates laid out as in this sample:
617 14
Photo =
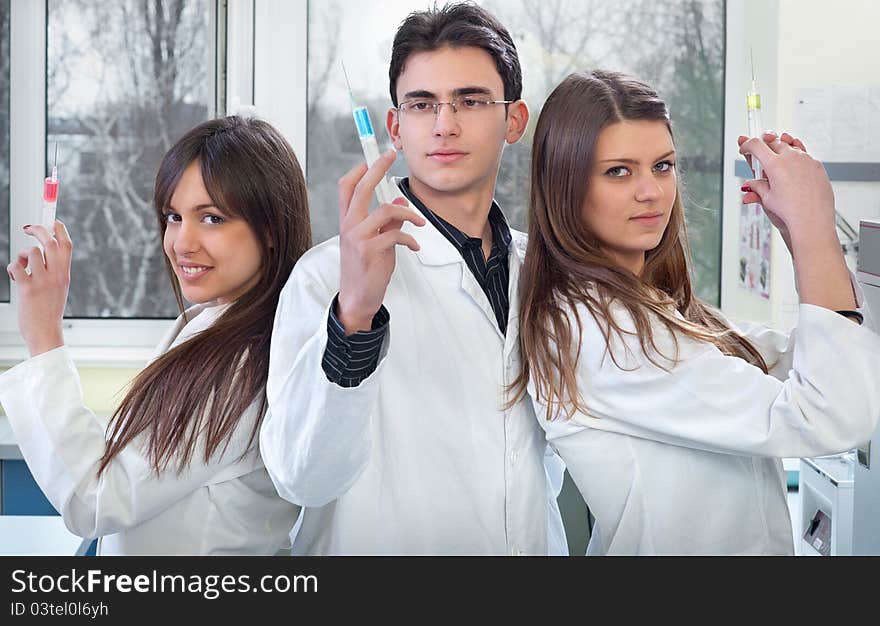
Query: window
677 47
4 145
124 81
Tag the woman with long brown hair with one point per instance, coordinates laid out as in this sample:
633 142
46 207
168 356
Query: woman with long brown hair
178 469
671 420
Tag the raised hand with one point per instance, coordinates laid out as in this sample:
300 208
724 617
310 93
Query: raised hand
796 192
751 197
42 293
367 243
798 198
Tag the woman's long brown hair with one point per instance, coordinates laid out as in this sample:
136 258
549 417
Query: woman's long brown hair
201 388
565 264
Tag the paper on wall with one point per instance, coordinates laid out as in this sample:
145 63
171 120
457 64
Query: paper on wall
812 120
839 123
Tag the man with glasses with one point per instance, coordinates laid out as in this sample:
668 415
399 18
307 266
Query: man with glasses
394 342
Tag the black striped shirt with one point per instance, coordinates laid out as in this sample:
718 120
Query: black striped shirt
348 360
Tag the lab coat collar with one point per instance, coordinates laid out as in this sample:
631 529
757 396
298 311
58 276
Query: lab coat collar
516 256
435 249
182 320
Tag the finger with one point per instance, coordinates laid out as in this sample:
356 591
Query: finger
759 150
766 136
385 214
393 238
395 224
794 142
24 260
16 271
345 188
366 186
739 142
755 189
49 243
751 198
391 225
39 232
35 261
778 146
62 236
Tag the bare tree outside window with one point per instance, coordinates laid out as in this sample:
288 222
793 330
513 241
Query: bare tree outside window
125 80
677 47
5 252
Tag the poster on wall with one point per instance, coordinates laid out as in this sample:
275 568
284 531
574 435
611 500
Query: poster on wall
754 250
839 122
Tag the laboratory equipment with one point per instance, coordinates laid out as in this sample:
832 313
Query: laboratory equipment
50 197
866 489
367 136
824 525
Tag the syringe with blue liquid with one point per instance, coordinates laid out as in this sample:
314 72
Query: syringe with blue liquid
369 145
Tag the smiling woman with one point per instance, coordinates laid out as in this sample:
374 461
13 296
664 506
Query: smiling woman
177 470
215 253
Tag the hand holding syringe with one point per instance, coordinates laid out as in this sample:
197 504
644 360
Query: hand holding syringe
50 200
753 104
368 240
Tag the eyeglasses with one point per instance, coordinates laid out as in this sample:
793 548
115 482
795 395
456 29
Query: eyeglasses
422 108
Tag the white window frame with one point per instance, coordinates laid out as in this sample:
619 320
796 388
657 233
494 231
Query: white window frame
281 29
95 342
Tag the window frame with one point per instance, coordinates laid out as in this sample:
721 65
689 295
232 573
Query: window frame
111 342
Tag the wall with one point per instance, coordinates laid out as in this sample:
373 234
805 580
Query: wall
102 387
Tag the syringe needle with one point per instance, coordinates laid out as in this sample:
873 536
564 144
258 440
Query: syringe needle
752 56
55 164
348 84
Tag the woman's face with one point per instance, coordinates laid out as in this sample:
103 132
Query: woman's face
632 187
214 255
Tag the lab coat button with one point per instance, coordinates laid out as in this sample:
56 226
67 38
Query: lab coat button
513 457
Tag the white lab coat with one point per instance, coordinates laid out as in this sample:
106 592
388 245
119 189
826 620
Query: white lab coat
226 506
687 461
419 458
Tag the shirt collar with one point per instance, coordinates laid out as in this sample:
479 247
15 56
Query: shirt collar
501 236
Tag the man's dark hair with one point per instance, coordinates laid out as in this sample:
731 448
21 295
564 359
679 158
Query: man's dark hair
457 25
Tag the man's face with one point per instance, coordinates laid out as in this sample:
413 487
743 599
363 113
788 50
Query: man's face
454 152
